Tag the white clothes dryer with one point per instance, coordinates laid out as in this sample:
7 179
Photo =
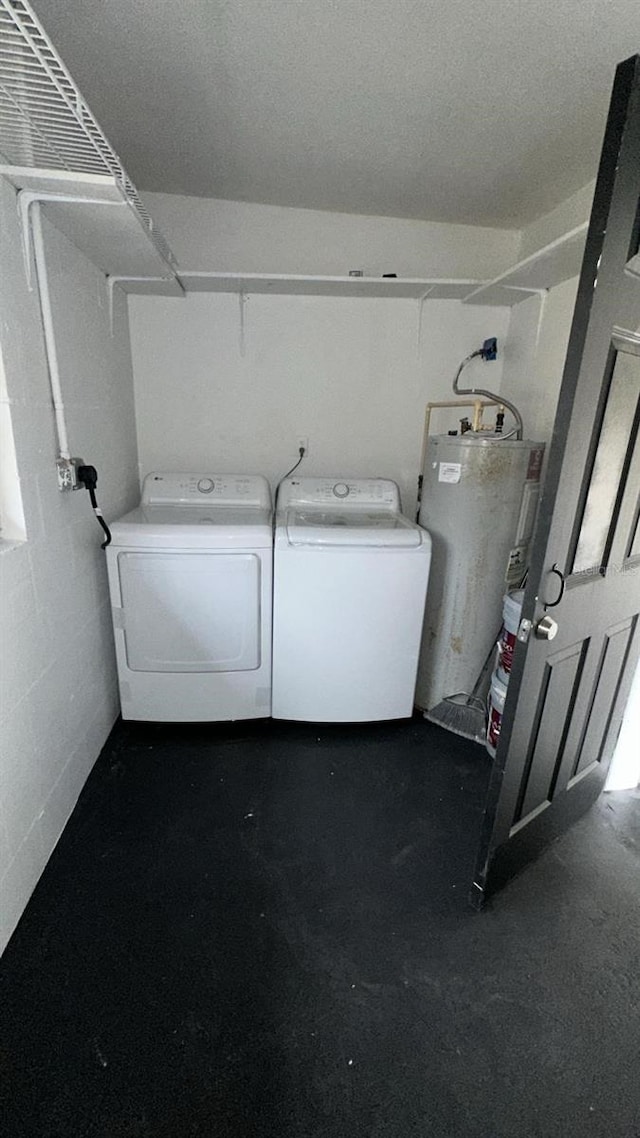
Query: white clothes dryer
351 575
190 581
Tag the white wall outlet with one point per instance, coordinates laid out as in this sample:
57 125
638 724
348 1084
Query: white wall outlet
302 443
68 473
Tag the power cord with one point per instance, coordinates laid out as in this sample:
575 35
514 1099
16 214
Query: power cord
301 452
88 476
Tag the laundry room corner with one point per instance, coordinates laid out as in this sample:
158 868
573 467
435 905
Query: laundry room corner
58 693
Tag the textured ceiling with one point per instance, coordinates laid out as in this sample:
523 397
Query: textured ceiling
480 111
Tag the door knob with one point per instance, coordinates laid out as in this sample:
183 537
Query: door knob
546 628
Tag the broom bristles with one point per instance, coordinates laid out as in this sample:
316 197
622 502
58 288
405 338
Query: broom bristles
462 715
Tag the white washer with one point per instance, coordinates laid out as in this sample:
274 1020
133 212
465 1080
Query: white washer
351 577
190 579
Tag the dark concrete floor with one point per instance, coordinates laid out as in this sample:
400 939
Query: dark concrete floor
263 930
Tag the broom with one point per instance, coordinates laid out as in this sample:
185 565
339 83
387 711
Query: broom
464 713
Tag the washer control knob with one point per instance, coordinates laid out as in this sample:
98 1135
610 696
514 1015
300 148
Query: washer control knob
205 485
341 490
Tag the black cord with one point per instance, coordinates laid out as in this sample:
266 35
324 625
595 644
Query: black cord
290 472
98 512
88 477
294 467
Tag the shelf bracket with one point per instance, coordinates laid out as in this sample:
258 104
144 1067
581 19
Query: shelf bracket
116 279
421 301
242 343
111 284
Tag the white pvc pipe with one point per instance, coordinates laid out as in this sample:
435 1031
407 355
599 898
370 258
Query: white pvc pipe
44 297
28 198
29 207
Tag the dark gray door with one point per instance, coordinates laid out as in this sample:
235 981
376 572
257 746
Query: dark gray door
567 695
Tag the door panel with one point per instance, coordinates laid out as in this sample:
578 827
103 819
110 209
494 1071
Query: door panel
566 696
559 690
603 699
617 431
191 612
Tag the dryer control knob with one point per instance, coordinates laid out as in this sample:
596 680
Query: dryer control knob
205 485
341 490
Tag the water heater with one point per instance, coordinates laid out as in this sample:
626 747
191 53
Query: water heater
479 500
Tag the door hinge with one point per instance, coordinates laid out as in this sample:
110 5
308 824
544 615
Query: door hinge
524 630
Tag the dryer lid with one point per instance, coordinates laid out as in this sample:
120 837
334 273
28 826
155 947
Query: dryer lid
352 527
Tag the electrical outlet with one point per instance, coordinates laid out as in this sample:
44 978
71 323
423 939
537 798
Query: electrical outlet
68 473
302 443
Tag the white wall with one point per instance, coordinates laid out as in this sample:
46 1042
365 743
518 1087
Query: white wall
348 373
12 524
58 697
573 211
534 356
226 236
539 327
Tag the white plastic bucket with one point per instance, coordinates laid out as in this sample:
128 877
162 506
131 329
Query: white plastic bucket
511 610
497 697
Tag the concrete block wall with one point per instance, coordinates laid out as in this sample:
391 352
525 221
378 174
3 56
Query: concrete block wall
58 695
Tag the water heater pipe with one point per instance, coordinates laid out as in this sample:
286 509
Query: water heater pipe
478 408
519 429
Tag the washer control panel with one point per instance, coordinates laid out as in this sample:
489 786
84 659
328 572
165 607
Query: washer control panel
380 492
194 489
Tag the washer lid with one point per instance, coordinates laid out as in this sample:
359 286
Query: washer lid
194 527
351 527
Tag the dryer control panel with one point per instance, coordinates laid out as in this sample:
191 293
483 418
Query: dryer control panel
164 489
360 492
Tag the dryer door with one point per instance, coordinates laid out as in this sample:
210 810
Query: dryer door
191 612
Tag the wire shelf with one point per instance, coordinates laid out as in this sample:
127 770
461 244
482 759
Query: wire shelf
44 120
